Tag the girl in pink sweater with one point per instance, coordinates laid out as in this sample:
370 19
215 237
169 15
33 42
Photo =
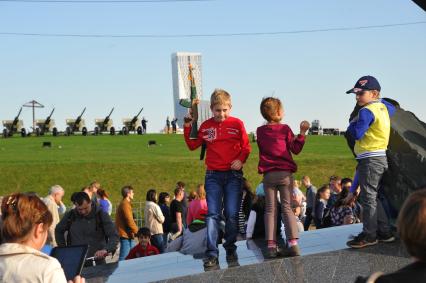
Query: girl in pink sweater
276 143
198 207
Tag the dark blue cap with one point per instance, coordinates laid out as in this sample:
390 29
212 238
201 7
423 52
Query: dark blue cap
365 83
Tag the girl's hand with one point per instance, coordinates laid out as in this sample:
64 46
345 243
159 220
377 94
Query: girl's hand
304 127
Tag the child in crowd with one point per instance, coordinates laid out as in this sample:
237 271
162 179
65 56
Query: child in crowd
276 143
320 207
371 130
356 206
346 184
341 213
298 205
298 215
299 200
228 148
198 207
144 247
335 189
411 228
192 241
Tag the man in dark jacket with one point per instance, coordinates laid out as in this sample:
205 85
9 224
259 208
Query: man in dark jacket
87 224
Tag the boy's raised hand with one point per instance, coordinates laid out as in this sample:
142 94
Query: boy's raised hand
304 127
188 118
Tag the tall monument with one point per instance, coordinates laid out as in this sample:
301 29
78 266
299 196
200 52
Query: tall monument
182 85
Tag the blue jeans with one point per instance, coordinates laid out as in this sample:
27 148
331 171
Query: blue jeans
157 241
222 187
125 246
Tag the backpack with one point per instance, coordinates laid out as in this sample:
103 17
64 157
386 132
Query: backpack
73 216
326 219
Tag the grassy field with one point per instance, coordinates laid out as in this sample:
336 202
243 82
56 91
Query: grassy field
114 161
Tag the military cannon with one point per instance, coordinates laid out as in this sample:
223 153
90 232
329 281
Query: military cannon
104 125
46 126
14 126
76 125
132 125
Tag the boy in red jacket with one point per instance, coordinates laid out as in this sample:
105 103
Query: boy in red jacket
144 247
228 148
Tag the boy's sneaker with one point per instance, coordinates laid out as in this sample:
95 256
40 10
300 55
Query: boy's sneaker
231 256
211 263
361 241
385 237
290 251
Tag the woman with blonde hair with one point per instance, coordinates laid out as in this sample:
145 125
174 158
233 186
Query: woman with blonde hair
197 208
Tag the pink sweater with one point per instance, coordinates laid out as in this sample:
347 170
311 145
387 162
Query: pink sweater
276 143
197 210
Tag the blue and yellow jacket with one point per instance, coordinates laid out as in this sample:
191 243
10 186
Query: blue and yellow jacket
371 129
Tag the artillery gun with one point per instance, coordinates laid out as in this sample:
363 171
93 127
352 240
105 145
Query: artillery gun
104 125
76 125
14 126
46 126
133 125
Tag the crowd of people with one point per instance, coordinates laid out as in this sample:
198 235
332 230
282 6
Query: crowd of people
28 222
225 208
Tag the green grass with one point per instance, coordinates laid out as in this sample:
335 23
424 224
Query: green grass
114 161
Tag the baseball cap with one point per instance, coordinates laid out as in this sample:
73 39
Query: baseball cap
365 83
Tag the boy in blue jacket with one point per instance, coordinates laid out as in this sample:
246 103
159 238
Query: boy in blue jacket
371 130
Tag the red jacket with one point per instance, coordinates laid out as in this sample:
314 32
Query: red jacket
226 141
276 143
139 251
